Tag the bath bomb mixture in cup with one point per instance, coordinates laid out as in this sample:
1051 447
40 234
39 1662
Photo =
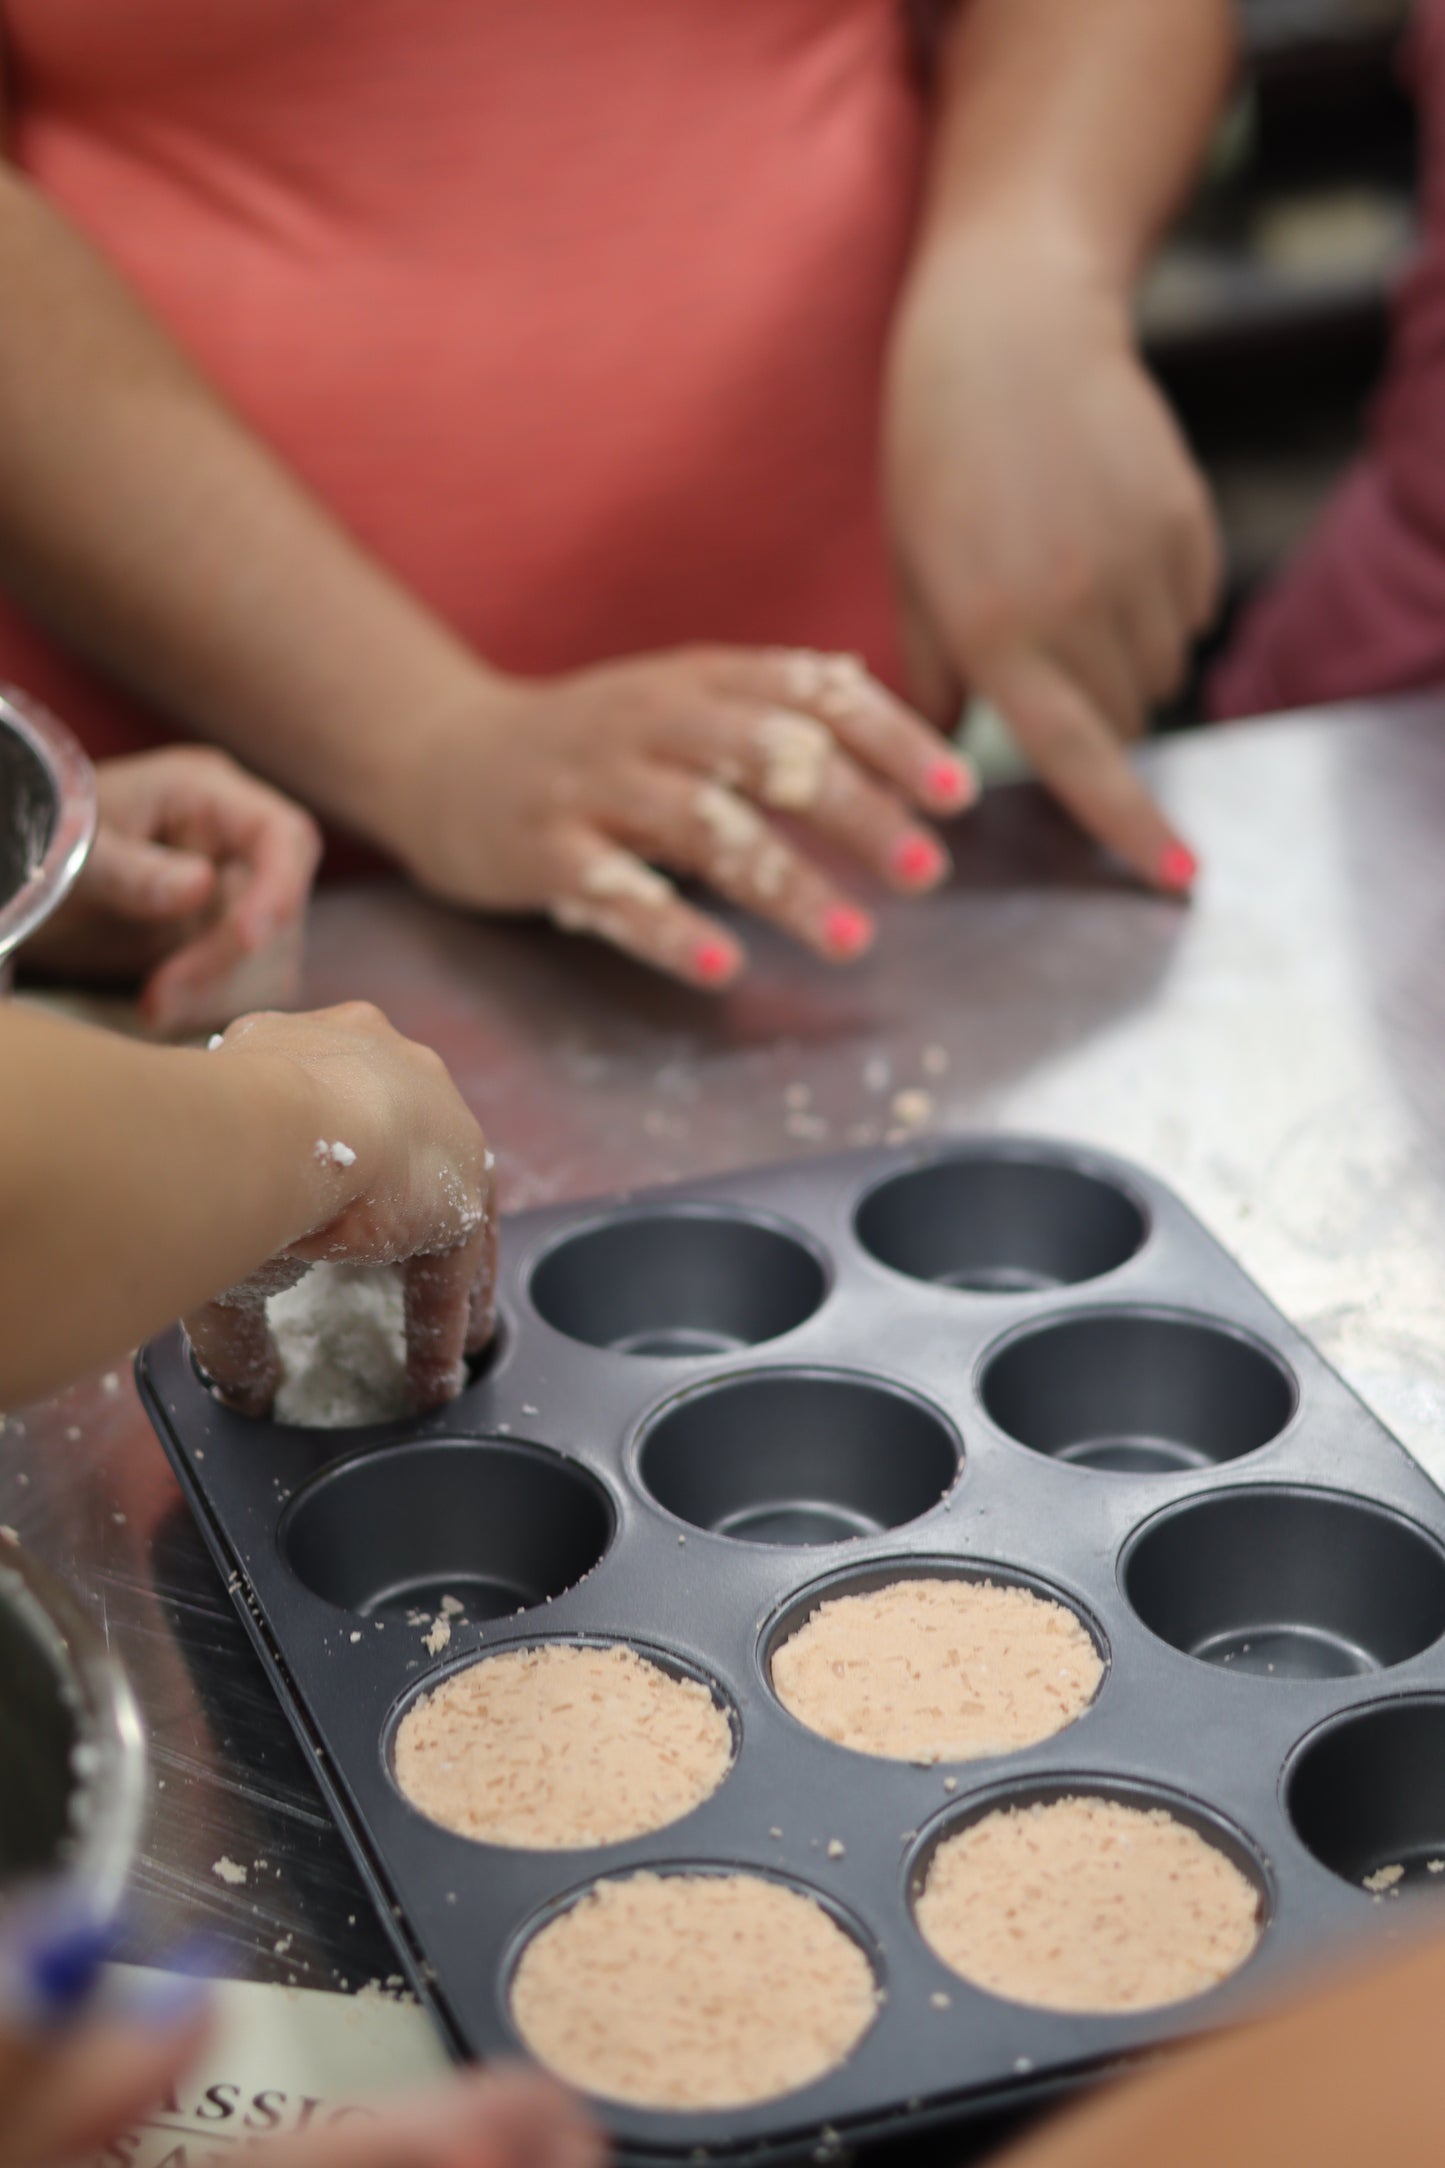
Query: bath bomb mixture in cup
560 1746
1087 1904
693 1991
341 1335
938 1670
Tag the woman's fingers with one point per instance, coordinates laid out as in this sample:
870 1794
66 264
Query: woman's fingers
602 889
1096 655
699 826
794 764
864 717
1077 756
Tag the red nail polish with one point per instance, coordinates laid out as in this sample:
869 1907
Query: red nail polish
847 930
948 782
919 861
713 962
1178 867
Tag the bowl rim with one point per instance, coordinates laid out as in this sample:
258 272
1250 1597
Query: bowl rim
108 1800
73 777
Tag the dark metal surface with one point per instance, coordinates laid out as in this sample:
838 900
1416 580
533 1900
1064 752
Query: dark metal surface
1273 1052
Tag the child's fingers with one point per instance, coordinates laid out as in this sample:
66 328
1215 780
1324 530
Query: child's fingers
486 2119
482 1309
98 2081
438 1293
705 829
139 880
280 852
1078 757
232 1343
604 890
870 722
794 764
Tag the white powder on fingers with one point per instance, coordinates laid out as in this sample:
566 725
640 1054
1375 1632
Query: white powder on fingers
619 874
561 1746
795 752
693 1991
340 1332
1088 1904
938 1670
734 827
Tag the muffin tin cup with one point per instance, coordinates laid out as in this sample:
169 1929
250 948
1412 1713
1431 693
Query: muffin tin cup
1288 1583
1215 1828
1124 1440
886 1573
666 1660
1366 1794
496 1525
795 1458
1138 1392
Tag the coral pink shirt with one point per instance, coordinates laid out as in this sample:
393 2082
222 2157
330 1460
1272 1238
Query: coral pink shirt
572 310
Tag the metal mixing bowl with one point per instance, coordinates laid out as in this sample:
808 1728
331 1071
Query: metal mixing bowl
71 1746
47 818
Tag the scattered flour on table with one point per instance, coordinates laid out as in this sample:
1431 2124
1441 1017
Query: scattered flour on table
562 1746
341 1335
693 1991
1087 1904
938 1670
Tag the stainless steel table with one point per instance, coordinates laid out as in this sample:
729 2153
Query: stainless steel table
1274 1050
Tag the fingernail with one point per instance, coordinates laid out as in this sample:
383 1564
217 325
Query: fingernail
1178 867
847 930
919 861
713 961
951 783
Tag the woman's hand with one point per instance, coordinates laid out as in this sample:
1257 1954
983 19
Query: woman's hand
399 1173
1056 548
196 886
566 795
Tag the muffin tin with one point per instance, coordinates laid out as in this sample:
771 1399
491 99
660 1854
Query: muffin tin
710 1405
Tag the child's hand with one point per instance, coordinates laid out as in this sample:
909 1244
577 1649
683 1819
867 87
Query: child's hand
400 1174
196 886
564 795
81 2066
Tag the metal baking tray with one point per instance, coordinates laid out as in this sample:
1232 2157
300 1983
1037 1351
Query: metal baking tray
996 1356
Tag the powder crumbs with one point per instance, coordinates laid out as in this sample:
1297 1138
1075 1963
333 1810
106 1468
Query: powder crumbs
229 1871
1383 1879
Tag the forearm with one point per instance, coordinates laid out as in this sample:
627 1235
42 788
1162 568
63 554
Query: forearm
1081 119
149 528
135 1182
